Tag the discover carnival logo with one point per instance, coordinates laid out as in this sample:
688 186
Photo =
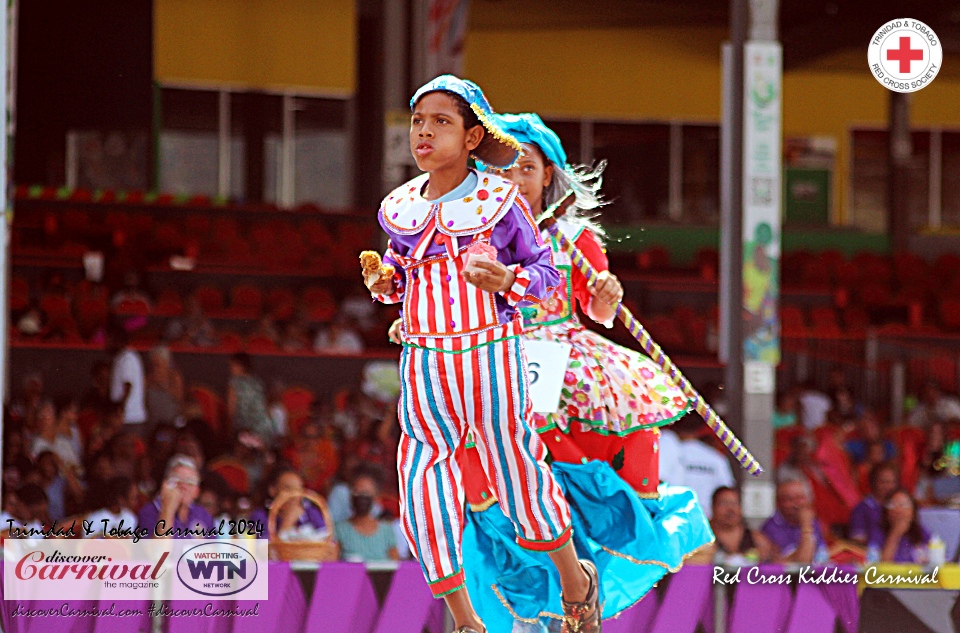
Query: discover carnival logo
217 569
124 569
905 55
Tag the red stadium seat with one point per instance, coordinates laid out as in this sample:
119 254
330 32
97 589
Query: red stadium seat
231 342
259 344
211 405
297 401
233 472
950 313
132 307
246 296
210 297
168 304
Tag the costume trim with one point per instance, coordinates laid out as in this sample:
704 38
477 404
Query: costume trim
517 292
486 505
447 584
658 563
501 136
547 547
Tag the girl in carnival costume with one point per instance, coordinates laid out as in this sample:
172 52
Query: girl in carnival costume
462 367
613 401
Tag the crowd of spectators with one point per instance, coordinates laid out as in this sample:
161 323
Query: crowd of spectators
134 449
848 486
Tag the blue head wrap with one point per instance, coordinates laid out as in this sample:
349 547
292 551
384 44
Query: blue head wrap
497 149
530 128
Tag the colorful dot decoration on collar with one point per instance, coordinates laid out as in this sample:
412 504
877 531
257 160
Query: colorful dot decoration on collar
482 194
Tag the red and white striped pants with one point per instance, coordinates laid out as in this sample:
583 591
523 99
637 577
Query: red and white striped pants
444 395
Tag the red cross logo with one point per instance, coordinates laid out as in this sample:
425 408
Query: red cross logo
905 54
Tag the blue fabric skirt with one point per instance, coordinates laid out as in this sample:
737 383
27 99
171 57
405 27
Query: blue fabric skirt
634 542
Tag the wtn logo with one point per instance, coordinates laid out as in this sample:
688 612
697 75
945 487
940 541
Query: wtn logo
228 569
217 569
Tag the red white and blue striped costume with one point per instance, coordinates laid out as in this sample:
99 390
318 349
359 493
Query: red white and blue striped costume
463 369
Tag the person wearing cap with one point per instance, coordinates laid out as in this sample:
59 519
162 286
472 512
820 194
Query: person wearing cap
604 435
462 367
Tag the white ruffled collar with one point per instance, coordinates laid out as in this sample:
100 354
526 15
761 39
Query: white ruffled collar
406 212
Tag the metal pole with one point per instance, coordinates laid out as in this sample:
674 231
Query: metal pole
731 215
7 84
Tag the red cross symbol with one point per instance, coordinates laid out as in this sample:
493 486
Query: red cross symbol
905 54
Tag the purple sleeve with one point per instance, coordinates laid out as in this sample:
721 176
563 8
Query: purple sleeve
147 518
859 527
260 514
520 248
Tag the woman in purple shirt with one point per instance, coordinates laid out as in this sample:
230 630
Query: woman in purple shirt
303 518
905 540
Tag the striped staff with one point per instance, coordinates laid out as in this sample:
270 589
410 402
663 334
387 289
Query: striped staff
653 350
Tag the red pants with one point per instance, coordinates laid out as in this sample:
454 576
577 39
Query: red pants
635 456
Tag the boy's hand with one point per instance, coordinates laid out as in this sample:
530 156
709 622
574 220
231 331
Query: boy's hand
383 286
394 332
494 277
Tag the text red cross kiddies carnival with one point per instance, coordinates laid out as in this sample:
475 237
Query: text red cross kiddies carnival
905 54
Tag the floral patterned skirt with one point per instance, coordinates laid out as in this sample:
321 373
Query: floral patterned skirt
609 389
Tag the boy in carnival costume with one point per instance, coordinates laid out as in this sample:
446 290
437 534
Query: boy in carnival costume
467 252
603 437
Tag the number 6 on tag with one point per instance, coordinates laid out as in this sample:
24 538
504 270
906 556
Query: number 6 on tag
546 366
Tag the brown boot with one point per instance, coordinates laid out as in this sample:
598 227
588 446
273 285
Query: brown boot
584 617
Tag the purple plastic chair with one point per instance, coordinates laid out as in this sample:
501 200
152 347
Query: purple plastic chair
409 606
343 600
760 608
812 612
688 602
284 611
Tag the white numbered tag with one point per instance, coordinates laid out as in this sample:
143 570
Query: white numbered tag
547 365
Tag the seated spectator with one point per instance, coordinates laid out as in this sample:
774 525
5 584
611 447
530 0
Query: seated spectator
176 504
704 468
48 439
193 328
60 483
934 406
905 540
314 454
736 543
803 463
876 455
794 529
216 497
104 429
268 329
939 483
68 414
35 506
299 520
814 405
339 338
23 407
867 431
339 498
295 337
97 397
164 393
246 402
866 517
364 537
785 413
121 495
131 292
12 510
